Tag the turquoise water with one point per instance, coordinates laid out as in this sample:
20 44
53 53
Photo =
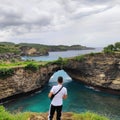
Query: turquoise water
80 99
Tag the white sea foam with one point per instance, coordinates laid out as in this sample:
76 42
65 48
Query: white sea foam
92 88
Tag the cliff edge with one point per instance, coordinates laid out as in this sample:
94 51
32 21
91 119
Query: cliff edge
101 71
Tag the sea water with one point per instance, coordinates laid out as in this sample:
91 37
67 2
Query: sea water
81 98
63 54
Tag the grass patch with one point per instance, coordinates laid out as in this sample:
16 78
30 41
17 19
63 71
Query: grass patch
20 64
60 61
80 58
7 68
32 66
5 115
89 116
6 72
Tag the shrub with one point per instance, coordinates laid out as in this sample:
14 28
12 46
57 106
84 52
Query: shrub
117 46
112 48
13 60
92 54
6 72
59 61
65 61
5 115
80 58
106 50
2 109
31 66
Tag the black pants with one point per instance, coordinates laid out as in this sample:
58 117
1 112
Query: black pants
58 109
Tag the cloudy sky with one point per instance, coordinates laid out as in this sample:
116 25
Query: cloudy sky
94 23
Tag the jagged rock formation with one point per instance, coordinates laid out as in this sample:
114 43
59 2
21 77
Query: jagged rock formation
31 51
8 56
100 70
24 81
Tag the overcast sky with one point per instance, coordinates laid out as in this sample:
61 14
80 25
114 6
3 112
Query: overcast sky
94 23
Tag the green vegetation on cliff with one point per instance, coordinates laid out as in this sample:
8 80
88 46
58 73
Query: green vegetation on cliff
7 68
55 47
5 115
36 49
32 67
8 48
112 48
6 72
20 64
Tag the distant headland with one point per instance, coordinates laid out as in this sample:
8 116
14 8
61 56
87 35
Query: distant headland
32 49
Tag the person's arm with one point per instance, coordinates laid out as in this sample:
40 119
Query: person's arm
50 94
64 96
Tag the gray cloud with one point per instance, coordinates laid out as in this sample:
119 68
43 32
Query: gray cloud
27 18
90 12
9 18
13 17
81 8
70 9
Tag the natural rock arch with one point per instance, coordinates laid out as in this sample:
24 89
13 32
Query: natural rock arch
102 72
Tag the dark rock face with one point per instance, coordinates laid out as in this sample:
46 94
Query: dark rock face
101 71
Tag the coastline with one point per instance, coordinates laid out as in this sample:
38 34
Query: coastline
44 73
100 89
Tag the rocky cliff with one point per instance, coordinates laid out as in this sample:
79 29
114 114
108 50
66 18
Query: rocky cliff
9 56
100 70
25 81
32 51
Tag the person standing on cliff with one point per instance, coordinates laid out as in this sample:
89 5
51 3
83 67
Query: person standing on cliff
57 101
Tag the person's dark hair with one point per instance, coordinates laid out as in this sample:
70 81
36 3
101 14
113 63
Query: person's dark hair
60 79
